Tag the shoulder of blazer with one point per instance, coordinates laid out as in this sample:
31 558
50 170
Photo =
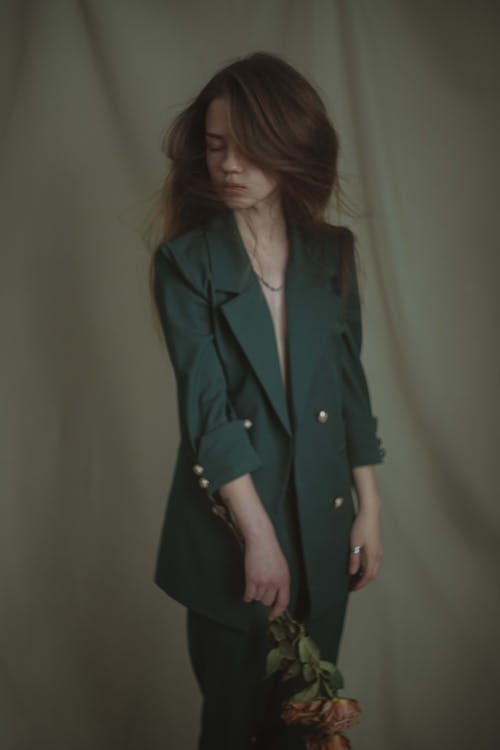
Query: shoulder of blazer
211 255
189 253
327 247
193 252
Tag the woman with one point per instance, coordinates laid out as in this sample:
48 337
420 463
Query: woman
259 305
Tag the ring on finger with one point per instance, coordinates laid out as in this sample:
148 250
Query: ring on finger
356 550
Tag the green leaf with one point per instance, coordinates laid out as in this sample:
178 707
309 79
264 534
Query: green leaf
292 671
287 650
304 650
332 674
327 666
273 661
311 691
314 648
309 672
308 650
278 630
293 628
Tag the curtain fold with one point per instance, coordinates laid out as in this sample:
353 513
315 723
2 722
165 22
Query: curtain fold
93 654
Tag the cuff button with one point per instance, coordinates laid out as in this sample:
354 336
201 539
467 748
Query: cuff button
322 416
203 482
248 423
338 502
198 469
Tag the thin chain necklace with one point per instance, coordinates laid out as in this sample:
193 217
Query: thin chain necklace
266 283
262 279
272 288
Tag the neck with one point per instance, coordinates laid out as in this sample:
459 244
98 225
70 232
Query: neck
264 222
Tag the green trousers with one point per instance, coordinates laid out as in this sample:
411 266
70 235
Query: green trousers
241 707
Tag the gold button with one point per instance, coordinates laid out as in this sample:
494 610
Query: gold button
338 502
198 469
322 416
203 482
248 423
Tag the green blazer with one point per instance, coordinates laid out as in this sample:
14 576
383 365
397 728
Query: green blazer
234 416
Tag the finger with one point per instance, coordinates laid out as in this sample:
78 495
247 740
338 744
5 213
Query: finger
373 564
250 591
369 573
361 582
354 562
281 602
268 596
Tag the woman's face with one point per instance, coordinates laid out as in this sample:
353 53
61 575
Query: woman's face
239 183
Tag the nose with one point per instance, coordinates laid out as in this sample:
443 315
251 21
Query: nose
232 161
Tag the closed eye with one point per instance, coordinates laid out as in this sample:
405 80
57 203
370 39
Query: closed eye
215 142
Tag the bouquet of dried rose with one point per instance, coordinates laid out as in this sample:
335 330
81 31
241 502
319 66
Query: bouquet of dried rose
296 655
317 705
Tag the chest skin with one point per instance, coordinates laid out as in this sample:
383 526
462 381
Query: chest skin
277 308
269 261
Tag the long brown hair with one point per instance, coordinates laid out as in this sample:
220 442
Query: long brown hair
280 124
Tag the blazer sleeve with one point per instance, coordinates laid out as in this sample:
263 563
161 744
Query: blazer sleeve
364 446
218 441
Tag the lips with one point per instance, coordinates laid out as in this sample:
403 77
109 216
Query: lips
231 187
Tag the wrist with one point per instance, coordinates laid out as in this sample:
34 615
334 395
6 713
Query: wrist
256 529
366 489
250 517
369 504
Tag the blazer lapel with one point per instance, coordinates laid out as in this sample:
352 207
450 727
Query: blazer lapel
310 313
312 306
247 313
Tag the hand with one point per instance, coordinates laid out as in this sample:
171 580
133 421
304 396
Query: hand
267 574
266 568
365 533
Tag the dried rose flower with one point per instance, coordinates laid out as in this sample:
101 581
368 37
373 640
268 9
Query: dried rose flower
302 713
339 713
331 714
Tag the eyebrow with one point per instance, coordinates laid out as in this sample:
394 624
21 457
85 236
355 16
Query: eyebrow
214 135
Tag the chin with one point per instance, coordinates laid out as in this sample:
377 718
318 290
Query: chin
237 201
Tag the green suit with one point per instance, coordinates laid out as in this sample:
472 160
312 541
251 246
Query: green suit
234 416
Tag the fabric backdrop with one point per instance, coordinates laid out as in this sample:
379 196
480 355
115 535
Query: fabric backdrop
93 655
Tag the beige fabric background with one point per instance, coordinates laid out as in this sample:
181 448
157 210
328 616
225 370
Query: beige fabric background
93 655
